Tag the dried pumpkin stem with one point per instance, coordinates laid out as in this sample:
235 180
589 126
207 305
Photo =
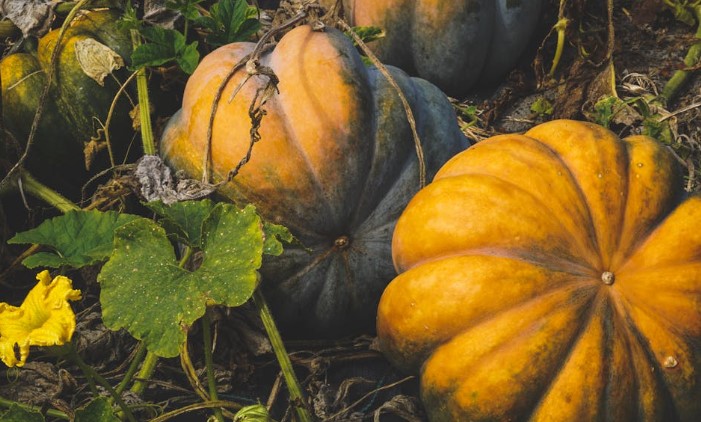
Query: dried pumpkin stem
405 103
110 113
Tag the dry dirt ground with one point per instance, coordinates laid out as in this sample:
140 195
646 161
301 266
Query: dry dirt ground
641 43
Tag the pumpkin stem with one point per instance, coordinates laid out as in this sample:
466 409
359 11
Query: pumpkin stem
608 278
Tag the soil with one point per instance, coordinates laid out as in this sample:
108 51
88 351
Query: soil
349 380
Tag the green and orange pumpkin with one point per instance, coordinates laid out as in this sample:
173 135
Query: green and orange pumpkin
336 163
77 105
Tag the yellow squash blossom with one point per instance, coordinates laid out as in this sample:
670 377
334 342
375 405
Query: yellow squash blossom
44 319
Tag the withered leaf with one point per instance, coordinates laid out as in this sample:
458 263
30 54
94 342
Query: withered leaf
96 59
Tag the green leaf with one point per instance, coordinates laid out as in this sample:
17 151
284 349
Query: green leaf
274 234
253 413
163 46
230 21
185 7
542 107
605 109
129 20
183 220
98 410
145 291
188 58
19 414
78 238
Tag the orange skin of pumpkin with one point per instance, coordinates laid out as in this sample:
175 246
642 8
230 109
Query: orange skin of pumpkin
336 164
554 275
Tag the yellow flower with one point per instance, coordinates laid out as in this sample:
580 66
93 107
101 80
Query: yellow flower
44 319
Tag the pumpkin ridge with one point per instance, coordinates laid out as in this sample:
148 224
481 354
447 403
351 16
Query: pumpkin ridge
370 197
574 285
650 312
579 244
607 154
294 278
313 174
347 279
634 335
583 197
543 260
583 305
595 302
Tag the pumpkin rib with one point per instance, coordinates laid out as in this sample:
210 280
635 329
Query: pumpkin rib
633 334
422 278
650 313
598 306
299 274
648 166
365 225
579 244
313 175
518 249
503 349
587 148
587 205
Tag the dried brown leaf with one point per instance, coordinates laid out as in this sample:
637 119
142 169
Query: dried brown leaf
96 59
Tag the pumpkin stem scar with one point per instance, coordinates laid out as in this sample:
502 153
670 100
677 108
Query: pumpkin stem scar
608 278
342 242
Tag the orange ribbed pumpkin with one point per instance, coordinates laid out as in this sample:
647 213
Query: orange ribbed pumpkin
554 275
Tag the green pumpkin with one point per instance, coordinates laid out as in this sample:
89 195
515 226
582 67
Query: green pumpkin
77 105
454 44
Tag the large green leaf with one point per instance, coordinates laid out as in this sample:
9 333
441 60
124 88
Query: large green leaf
78 238
144 290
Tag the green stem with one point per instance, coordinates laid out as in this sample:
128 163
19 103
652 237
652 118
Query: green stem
92 374
146 372
211 381
50 412
133 367
288 373
144 107
27 183
692 59
560 27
